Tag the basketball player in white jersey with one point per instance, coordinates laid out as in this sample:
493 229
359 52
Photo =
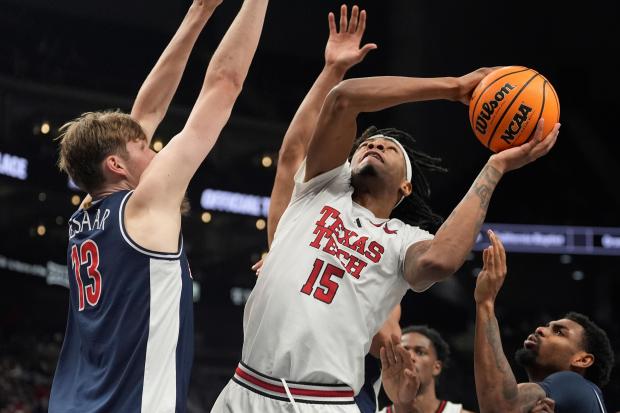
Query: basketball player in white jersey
341 53
338 263
429 354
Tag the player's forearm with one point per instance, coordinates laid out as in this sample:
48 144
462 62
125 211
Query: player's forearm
456 237
295 144
301 129
231 61
372 94
496 386
158 89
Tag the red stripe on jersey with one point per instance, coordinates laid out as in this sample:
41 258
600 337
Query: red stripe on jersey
298 392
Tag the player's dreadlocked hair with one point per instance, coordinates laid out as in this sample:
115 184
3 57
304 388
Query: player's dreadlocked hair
414 209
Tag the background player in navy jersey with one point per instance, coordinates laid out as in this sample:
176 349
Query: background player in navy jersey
129 340
567 360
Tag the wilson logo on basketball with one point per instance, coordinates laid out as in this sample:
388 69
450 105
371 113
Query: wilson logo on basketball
519 118
488 108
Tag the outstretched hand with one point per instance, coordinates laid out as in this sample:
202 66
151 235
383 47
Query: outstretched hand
398 373
493 273
545 405
343 46
514 158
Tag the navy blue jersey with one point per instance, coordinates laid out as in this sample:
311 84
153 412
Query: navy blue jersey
572 393
129 340
366 399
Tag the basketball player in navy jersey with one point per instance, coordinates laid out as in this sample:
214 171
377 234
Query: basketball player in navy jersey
129 340
567 360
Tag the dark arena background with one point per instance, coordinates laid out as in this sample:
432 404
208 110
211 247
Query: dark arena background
559 217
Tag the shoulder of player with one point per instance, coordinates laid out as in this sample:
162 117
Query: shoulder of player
568 387
568 376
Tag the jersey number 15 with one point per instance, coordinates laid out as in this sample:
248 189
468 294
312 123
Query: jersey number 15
326 290
88 255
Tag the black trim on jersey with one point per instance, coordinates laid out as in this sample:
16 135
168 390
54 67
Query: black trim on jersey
295 382
286 399
136 246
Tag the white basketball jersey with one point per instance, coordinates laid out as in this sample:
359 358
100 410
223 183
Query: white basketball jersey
334 273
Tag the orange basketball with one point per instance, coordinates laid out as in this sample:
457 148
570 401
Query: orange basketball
507 104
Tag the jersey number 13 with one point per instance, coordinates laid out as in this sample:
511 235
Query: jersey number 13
88 256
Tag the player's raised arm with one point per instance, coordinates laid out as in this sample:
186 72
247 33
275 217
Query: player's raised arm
341 53
429 261
496 386
156 92
164 182
337 126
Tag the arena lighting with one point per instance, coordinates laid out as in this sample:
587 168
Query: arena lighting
236 203
548 239
539 239
266 161
260 224
75 200
45 128
54 273
205 217
13 166
157 146
41 230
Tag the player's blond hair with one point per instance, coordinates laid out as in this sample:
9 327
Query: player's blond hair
87 140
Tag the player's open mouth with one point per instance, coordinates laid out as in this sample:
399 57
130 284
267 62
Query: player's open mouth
374 155
531 342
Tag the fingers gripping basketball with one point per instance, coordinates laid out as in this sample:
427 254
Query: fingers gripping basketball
507 105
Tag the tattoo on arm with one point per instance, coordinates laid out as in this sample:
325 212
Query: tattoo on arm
484 185
522 396
482 188
509 385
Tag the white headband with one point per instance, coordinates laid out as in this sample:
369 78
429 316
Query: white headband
402 149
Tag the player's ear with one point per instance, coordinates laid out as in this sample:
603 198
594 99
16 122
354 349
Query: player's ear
114 164
582 360
405 189
437 368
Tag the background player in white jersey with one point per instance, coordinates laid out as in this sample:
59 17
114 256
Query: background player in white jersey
129 336
429 354
338 263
